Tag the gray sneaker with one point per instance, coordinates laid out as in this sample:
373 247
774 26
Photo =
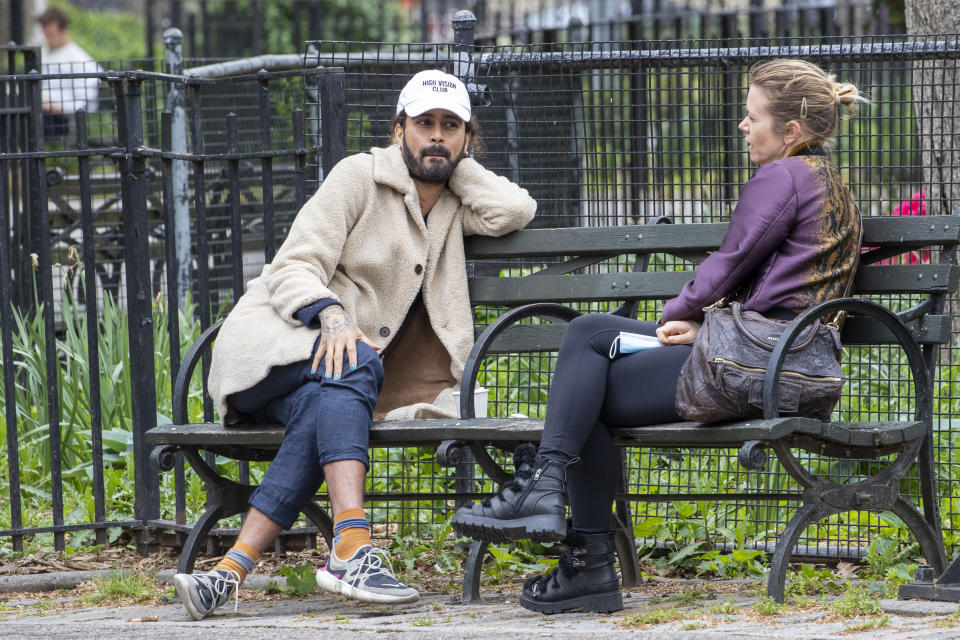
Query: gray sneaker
202 593
367 577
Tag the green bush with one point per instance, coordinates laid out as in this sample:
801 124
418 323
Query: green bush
107 35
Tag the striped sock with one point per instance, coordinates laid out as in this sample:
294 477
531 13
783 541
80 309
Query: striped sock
350 532
241 559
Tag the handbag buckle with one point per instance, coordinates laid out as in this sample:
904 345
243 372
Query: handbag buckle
836 320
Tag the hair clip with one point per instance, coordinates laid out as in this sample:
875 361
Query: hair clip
803 108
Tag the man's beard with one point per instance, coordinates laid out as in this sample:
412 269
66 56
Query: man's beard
424 172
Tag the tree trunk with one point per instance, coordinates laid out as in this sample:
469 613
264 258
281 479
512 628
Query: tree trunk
936 101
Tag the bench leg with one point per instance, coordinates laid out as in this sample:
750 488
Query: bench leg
623 530
821 499
198 534
225 498
776 583
471 572
931 544
321 520
627 552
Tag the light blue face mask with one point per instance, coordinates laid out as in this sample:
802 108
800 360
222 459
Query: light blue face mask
628 342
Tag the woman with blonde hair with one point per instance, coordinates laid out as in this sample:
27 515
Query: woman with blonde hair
792 243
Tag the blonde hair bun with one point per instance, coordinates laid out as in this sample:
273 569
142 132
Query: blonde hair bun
847 96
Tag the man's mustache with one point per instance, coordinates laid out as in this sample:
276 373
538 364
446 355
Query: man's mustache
435 150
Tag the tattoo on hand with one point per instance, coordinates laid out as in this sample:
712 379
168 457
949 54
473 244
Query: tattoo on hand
334 321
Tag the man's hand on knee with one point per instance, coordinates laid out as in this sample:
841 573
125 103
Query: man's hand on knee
338 334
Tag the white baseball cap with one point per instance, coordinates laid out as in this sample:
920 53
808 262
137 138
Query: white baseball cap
434 89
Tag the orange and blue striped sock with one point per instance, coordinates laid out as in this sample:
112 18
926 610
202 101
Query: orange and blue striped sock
351 531
240 559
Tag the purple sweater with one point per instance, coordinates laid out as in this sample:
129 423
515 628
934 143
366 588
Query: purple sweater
792 242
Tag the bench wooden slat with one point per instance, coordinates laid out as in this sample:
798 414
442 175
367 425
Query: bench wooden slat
692 434
394 433
866 331
916 231
905 231
661 285
594 287
598 241
526 338
679 434
907 278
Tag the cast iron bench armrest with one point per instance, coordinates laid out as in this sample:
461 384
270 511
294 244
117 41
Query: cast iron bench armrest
860 307
475 359
181 387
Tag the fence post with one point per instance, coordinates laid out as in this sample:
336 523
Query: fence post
136 258
333 118
173 42
464 23
315 29
31 236
424 21
12 112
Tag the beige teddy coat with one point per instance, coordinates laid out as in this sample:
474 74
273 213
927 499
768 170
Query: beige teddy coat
362 240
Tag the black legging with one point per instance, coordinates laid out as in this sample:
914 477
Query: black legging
589 393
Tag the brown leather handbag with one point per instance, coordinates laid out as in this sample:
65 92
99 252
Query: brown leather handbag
722 378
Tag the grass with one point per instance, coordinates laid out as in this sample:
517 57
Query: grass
727 607
867 625
692 595
768 607
652 616
857 600
121 587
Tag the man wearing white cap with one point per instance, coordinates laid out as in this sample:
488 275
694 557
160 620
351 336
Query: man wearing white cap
364 312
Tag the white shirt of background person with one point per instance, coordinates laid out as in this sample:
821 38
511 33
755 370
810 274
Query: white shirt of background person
62 55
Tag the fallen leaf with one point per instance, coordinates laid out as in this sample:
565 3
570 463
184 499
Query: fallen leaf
144 619
846 570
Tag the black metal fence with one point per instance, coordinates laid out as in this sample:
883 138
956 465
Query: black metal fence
233 28
91 231
552 21
599 133
615 134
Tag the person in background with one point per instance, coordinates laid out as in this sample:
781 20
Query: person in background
62 97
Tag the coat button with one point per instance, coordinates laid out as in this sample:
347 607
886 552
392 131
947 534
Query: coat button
384 332
418 269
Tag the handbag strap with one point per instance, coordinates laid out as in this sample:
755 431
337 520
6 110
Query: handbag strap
736 310
837 319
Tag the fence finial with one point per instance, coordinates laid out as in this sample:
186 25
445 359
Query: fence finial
172 36
464 23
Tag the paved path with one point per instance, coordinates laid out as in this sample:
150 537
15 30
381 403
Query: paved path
441 616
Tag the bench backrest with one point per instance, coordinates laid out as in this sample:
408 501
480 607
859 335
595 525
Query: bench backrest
932 276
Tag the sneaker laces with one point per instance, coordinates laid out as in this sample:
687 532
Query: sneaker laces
373 564
218 584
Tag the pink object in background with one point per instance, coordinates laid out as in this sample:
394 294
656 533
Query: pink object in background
914 206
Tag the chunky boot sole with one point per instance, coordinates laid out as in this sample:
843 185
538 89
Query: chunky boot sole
536 528
596 602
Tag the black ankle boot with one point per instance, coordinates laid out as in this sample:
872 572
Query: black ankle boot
532 505
585 579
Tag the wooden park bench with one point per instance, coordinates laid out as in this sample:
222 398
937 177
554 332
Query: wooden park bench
571 278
